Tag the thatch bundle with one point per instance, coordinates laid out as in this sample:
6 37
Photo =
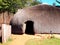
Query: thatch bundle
46 18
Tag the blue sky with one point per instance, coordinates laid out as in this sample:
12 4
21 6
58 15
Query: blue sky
50 2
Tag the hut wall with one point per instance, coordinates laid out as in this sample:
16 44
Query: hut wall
46 18
43 22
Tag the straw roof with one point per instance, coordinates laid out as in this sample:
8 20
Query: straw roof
37 13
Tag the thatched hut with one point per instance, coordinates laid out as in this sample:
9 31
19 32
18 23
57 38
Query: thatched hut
38 19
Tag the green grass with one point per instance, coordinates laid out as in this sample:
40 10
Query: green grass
52 41
7 43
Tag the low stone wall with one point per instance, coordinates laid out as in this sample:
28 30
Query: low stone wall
6 32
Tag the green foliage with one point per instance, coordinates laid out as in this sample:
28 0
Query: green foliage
35 3
14 5
8 5
58 1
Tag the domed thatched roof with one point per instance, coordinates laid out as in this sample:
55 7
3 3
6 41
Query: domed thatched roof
35 12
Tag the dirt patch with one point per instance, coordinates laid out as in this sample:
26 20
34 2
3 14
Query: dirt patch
22 39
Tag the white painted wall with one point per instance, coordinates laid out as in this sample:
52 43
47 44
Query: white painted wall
6 32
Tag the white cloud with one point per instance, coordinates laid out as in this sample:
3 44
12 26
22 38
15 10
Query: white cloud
45 3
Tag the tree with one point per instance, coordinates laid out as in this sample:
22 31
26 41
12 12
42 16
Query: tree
35 2
9 5
14 5
32 2
58 1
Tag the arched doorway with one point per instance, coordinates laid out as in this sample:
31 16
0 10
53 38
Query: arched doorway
29 27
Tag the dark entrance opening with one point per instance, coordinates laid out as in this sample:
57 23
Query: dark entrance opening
1 39
0 34
29 27
16 29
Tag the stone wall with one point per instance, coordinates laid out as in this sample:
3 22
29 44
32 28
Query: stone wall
5 29
6 32
5 17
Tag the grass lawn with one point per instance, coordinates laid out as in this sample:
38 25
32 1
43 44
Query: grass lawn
7 43
52 41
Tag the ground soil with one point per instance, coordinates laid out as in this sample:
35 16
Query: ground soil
21 39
